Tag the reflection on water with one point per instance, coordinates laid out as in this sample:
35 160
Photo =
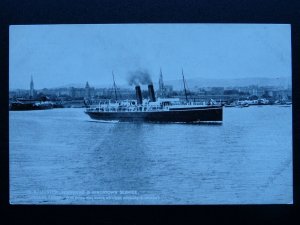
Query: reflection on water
61 156
123 156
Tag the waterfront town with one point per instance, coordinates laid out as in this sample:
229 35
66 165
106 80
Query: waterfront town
76 97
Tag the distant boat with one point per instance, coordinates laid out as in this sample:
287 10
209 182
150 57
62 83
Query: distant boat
230 105
282 102
22 106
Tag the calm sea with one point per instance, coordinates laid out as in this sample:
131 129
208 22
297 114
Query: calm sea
61 156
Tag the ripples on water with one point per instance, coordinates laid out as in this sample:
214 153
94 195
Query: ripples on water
61 156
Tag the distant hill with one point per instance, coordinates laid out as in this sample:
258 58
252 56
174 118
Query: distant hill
194 83
82 85
240 82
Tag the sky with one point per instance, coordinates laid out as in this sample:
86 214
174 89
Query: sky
58 55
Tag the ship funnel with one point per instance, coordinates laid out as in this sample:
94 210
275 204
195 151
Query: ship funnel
151 93
138 93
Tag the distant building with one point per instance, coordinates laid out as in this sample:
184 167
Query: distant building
282 94
80 93
214 90
168 89
201 91
62 91
231 92
72 92
254 91
77 92
83 93
217 90
87 91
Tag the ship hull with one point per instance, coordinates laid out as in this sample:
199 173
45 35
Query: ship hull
204 114
28 106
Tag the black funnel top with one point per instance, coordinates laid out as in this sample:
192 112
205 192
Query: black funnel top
151 93
138 93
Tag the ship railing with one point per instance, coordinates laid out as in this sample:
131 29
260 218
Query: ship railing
126 108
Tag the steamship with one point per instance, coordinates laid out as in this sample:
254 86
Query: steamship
24 105
156 110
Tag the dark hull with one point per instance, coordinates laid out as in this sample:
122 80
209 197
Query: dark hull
205 114
28 106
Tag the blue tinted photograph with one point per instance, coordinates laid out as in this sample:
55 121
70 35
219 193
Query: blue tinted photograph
150 114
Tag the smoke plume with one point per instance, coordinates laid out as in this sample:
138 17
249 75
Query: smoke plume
139 77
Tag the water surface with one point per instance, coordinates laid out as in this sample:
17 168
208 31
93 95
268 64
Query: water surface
61 156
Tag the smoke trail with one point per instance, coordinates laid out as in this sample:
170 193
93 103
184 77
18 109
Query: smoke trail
139 77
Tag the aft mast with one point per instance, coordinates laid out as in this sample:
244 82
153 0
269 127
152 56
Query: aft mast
186 98
115 89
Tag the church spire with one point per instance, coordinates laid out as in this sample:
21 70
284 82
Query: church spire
161 84
31 91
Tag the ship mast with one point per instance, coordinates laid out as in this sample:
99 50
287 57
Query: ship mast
184 86
115 89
